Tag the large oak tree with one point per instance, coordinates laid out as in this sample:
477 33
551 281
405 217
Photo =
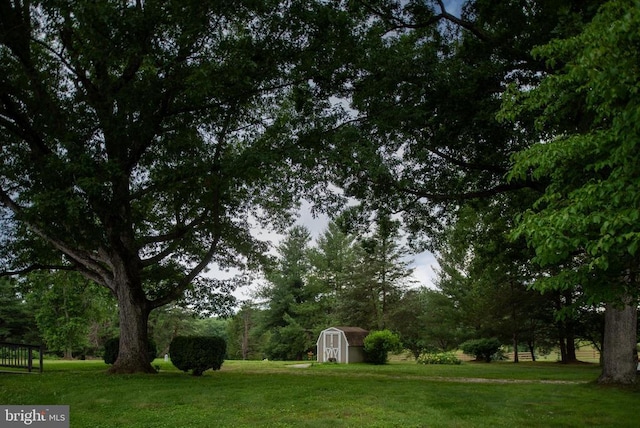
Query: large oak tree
139 138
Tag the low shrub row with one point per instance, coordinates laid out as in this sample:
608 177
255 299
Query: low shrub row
200 353
447 358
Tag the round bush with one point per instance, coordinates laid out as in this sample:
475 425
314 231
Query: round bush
197 353
482 349
378 344
112 347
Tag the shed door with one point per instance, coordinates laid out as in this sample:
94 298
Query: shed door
332 346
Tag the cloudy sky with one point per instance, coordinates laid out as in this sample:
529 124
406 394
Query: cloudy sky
424 264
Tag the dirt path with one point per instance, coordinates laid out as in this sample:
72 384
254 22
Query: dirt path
487 380
457 379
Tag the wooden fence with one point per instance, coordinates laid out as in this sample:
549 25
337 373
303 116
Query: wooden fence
20 356
588 355
522 356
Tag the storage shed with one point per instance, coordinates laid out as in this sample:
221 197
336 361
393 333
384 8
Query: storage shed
341 345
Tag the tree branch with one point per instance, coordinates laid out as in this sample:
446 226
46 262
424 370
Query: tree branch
468 165
396 23
21 126
35 267
216 214
177 291
179 232
460 22
99 273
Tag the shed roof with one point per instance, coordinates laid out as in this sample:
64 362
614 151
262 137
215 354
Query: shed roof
355 335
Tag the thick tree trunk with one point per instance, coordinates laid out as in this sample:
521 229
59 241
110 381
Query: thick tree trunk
134 318
619 356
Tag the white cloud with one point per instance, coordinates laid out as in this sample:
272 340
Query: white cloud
316 224
424 269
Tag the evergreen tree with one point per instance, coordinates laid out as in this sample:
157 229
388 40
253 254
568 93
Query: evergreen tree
246 336
428 321
382 273
17 320
289 312
334 260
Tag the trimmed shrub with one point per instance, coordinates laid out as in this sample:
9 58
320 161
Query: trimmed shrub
448 358
481 349
197 353
378 344
112 347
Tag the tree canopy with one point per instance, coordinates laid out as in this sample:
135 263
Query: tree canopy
140 142
588 153
139 139
423 137
586 222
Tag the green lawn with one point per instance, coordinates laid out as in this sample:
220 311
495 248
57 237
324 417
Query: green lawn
277 394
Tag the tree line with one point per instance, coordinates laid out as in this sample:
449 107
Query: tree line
141 141
344 278
339 281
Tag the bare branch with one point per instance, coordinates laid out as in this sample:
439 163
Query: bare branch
460 22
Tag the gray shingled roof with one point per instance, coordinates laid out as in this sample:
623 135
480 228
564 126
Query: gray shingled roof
355 335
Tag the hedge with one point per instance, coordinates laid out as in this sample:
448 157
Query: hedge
197 353
448 358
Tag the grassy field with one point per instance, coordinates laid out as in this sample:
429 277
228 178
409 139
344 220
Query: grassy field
279 394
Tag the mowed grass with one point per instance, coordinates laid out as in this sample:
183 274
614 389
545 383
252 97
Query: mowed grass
280 394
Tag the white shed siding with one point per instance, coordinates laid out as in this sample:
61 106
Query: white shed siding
334 343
